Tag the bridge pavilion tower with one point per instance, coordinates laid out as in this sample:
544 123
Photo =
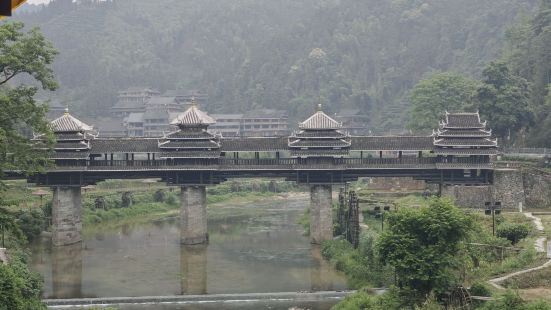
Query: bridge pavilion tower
319 141
464 135
192 144
72 146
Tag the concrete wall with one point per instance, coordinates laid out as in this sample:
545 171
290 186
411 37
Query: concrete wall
321 217
193 215
66 215
467 196
537 188
508 188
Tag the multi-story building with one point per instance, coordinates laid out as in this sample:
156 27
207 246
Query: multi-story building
132 100
265 123
255 123
228 125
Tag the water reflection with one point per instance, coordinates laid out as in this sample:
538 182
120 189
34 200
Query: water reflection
253 248
321 276
67 271
193 266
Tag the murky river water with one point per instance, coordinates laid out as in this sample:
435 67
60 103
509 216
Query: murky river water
255 248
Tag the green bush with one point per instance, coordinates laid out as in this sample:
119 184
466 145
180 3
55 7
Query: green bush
159 196
20 288
512 231
31 223
512 301
126 199
480 289
171 200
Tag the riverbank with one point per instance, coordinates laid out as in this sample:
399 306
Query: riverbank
484 256
218 206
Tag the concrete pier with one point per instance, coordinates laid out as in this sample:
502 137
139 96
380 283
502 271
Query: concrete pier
193 215
321 220
66 215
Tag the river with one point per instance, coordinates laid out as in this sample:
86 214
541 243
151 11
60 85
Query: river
253 248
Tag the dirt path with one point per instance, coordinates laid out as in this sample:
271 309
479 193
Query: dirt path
539 245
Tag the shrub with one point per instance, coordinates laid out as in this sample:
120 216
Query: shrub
513 232
159 196
31 223
171 200
99 203
126 200
19 287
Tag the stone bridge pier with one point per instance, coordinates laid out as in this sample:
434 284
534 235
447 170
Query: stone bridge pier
66 215
321 217
193 215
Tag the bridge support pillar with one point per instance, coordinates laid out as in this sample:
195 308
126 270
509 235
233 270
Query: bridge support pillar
66 215
321 221
193 215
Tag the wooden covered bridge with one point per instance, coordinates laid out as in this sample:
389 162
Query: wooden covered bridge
319 154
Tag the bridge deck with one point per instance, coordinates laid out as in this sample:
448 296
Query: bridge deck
289 164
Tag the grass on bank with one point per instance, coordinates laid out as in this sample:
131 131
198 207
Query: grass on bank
483 263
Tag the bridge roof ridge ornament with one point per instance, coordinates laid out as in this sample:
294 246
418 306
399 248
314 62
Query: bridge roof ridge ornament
193 117
320 120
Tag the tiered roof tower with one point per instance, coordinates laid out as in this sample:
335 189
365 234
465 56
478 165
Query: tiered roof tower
192 140
319 136
72 137
463 134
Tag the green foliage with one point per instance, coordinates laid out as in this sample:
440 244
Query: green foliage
159 196
31 223
23 54
528 54
9 226
20 288
126 199
171 200
512 301
423 245
362 266
513 232
480 289
367 300
503 100
439 93
283 54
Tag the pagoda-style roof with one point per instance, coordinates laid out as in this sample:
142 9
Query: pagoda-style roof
320 121
462 120
193 117
319 137
68 123
463 134
192 140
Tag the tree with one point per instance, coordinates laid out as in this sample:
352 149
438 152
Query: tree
503 100
441 92
8 226
23 54
423 245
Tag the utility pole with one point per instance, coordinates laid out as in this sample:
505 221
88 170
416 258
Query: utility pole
493 209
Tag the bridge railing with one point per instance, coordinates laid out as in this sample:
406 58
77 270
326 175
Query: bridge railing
526 151
268 163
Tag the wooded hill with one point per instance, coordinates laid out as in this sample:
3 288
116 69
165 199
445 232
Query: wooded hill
284 54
